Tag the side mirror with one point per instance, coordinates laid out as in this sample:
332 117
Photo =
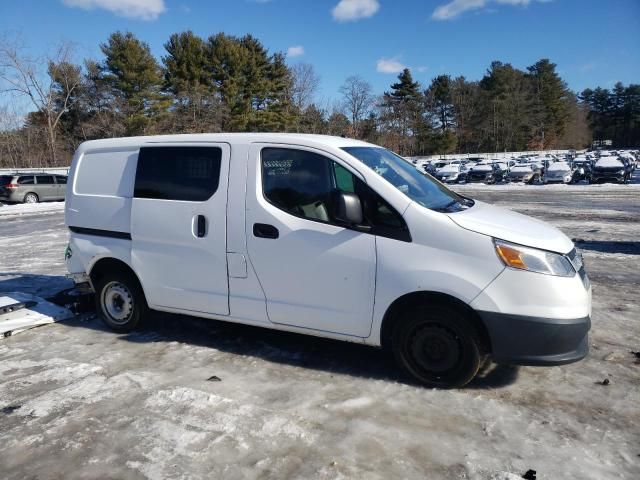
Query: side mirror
347 208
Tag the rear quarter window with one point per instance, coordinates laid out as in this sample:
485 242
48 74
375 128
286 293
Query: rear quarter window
106 173
5 179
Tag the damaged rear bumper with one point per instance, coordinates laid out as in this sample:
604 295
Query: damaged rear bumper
82 281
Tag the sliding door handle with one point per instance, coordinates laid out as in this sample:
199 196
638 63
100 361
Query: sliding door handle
201 226
264 230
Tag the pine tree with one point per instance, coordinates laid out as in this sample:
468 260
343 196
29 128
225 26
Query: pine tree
186 78
135 78
551 100
405 89
402 110
439 98
507 123
184 65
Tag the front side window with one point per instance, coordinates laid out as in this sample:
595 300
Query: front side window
61 179
304 184
178 173
420 188
45 180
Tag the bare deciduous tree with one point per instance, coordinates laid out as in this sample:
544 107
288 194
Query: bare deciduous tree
47 83
357 100
305 85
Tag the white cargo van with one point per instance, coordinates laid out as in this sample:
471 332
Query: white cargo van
325 236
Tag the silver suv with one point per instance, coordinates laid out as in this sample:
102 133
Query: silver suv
32 187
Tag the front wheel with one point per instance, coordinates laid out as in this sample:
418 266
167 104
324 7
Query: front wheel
438 347
120 301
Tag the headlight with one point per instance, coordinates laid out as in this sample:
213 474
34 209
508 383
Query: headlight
620 172
533 260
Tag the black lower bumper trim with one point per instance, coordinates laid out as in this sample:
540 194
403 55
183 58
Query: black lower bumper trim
525 340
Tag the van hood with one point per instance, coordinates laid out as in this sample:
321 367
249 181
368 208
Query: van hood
512 227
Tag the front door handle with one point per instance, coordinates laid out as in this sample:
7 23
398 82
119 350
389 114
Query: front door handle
264 230
201 227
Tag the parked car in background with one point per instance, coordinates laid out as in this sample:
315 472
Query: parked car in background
429 168
581 169
485 172
32 187
452 173
629 166
609 169
527 173
559 172
503 166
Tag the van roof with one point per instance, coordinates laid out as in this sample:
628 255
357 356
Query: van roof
237 138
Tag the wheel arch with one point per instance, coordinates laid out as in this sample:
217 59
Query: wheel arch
409 300
111 264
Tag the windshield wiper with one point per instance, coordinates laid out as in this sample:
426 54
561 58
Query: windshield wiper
446 207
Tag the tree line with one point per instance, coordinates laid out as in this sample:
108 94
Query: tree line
234 84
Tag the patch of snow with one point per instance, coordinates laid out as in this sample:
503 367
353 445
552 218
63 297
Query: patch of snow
561 166
30 208
609 162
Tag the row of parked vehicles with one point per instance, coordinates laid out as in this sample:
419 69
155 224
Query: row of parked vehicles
594 167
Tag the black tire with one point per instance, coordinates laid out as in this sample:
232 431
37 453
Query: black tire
120 301
438 346
31 198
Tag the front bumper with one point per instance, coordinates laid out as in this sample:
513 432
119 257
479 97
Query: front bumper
526 340
478 179
557 180
599 177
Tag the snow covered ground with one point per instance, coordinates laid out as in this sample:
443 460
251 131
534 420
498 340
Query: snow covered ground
33 238
190 398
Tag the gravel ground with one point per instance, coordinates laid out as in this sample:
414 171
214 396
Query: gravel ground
189 398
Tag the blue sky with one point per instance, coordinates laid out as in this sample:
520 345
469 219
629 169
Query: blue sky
594 42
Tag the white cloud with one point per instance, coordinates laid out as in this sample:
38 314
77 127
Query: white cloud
142 9
350 10
457 7
389 65
422 69
295 51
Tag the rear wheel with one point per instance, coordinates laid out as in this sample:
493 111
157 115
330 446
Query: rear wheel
120 301
31 198
438 346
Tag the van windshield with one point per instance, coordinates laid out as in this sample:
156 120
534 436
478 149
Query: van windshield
419 187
